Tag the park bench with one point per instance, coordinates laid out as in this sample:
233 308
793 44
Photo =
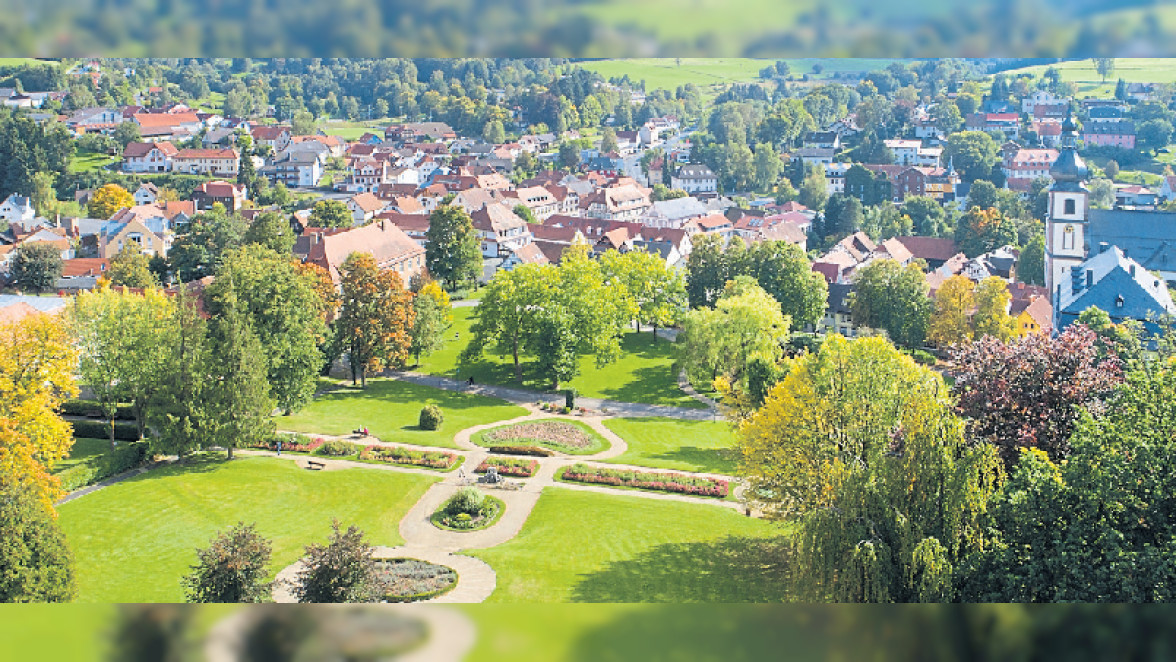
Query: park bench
315 465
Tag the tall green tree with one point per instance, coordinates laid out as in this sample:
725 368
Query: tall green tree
992 309
343 570
433 319
1097 527
1031 263
201 244
784 272
859 446
894 298
271 230
745 324
285 311
237 399
178 415
131 268
453 253
330 214
972 153
503 318
36 266
658 290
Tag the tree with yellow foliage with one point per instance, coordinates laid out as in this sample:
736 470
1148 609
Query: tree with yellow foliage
949 323
109 199
992 310
859 446
434 316
37 362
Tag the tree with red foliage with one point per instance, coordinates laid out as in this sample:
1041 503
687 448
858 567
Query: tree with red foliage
1029 392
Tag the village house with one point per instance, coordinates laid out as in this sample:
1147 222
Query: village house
1022 166
231 195
364 207
1109 134
146 194
673 213
500 230
695 178
276 138
149 157
215 162
17 209
626 202
154 127
392 249
295 169
537 199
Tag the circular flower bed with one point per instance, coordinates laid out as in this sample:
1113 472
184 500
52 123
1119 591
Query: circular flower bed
412 580
468 510
566 436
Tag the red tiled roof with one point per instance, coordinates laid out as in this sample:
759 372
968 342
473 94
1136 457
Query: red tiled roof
162 120
84 266
937 249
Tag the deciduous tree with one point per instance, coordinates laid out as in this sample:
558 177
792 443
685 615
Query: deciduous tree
992 309
271 230
36 564
894 298
453 253
1029 392
107 200
330 214
131 268
376 316
36 266
745 324
232 569
340 571
433 319
202 243
949 324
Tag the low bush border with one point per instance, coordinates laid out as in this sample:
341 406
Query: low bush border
123 458
100 430
653 481
435 518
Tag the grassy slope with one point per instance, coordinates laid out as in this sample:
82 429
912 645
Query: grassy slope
588 547
391 409
1083 74
664 443
668 74
84 450
643 373
133 541
90 161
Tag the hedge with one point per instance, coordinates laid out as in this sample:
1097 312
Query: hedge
92 409
430 459
100 430
647 480
123 458
522 450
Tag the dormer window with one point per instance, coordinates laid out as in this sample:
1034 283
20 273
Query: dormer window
1119 301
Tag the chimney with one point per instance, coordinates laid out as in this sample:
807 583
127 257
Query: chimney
1103 246
1075 279
1089 278
1131 270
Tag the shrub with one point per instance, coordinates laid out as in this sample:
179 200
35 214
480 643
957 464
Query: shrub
570 398
431 418
336 448
100 430
35 556
340 571
466 500
232 568
294 443
647 480
91 409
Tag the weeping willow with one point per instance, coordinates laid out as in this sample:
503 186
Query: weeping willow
859 446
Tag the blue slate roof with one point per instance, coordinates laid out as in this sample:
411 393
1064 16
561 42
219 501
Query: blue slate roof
43 304
1148 237
1118 285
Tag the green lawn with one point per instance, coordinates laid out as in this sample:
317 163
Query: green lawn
83 451
1083 74
644 373
391 410
132 542
589 547
90 161
666 443
670 73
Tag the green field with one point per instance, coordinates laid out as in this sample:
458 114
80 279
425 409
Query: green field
1083 74
666 443
83 451
132 542
714 74
391 409
90 161
589 547
644 373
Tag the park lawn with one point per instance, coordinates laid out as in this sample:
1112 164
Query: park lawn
134 541
580 546
84 161
644 373
667 443
84 450
696 632
391 409
351 133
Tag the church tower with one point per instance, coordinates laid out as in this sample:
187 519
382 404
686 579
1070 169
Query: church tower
1066 221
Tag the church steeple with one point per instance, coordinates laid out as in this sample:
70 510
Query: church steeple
1069 171
1065 226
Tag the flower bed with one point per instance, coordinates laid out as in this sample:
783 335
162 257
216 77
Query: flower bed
336 448
412 580
566 436
391 455
647 480
292 443
522 450
509 466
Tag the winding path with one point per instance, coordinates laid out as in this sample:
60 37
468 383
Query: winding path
423 540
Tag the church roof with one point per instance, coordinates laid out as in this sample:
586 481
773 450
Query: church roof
1143 235
1116 284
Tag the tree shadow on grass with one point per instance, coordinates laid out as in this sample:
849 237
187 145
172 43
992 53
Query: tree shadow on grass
730 570
703 633
712 460
655 385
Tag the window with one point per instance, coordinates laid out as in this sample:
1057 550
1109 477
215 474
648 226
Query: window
1070 206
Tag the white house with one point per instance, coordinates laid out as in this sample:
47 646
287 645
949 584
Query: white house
695 178
146 194
17 209
149 157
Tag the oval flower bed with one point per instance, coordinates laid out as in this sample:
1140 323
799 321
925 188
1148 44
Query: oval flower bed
293 443
469 509
412 580
647 480
507 466
570 437
413 458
